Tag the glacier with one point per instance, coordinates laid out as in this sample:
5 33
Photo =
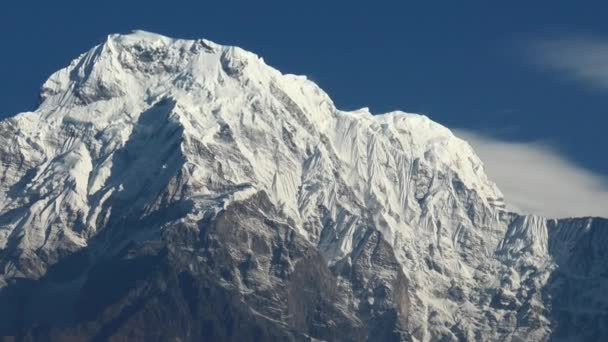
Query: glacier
182 189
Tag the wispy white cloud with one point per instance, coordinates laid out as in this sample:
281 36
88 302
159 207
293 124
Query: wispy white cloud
577 57
535 178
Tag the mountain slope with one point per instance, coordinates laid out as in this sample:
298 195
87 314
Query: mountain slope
183 189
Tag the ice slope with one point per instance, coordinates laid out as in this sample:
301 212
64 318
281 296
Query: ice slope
148 131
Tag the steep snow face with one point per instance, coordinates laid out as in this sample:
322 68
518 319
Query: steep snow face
148 131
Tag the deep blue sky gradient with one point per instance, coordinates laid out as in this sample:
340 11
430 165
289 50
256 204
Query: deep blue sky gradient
458 62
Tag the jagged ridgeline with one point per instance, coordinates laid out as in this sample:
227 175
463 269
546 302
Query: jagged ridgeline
180 190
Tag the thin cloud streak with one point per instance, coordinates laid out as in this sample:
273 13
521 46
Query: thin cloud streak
536 179
579 58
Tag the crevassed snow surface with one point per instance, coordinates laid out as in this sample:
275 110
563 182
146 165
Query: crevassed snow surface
143 121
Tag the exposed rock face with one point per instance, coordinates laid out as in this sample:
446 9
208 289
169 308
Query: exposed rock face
183 190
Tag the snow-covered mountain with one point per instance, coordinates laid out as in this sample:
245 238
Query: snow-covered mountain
172 189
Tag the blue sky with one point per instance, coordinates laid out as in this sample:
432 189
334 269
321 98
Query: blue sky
525 72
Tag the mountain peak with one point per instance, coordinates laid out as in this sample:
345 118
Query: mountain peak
140 68
148 141
140 35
